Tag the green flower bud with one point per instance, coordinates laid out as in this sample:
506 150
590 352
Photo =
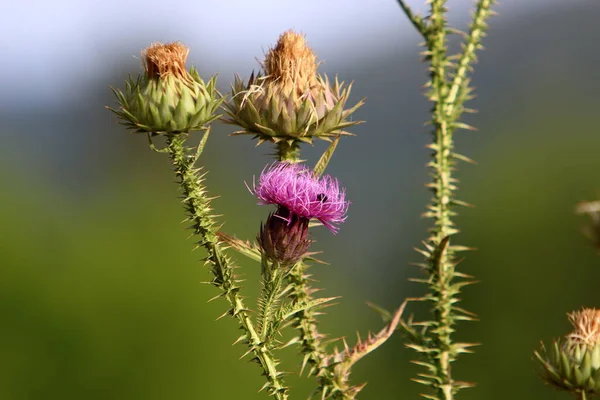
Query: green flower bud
167 98
573 363
289 100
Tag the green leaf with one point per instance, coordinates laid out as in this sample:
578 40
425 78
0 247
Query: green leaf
324 160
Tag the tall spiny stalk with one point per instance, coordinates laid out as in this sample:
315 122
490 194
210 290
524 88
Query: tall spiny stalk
197 204
315 353
449 89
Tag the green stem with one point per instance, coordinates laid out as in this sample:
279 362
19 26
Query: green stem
448 98
272 280
442 200
315 354
482 12
415 19
197 205
310 337
288 152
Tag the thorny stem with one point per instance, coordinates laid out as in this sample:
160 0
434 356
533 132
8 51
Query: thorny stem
289 152
482 13
416 20
315 354
196 203
448 98
310 337
442 187
272 277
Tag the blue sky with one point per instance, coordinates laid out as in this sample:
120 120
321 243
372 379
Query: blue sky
49 48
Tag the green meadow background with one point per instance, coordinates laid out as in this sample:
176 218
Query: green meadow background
101 296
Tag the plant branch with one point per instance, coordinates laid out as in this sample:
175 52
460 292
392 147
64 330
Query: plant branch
473 42
315 354
448 96
417 21
310 338
197 204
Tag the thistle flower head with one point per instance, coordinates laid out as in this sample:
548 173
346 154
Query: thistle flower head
288 100
587 327
295 188
573 363
167 98
291 64
164 60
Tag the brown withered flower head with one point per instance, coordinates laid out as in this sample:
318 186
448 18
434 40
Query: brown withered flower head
167 98
288 100
573 363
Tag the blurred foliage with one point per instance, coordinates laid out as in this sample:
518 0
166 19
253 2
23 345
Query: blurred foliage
100 294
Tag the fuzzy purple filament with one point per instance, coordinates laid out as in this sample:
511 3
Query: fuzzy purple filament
294 187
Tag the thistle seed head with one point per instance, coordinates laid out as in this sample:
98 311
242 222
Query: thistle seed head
288 100
573 363
167 98
164 60
291 65
587 327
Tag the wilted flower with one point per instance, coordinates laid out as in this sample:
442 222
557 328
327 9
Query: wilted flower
573 363
167 98
288 100
294 187
299 197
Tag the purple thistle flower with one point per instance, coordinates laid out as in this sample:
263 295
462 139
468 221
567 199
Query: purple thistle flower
293 186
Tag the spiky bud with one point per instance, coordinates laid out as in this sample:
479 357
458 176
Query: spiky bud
288 100
284 237
167 98
573 363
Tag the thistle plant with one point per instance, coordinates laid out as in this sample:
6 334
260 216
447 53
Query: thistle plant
289 104
449 89
573 363
167 98
299 197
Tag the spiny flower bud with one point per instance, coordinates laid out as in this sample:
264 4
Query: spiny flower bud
288 100
284 237
167 98
573 363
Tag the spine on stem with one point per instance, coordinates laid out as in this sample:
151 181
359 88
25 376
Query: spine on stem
197 205
449 89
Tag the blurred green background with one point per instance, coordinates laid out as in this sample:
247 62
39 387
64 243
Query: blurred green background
101 295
